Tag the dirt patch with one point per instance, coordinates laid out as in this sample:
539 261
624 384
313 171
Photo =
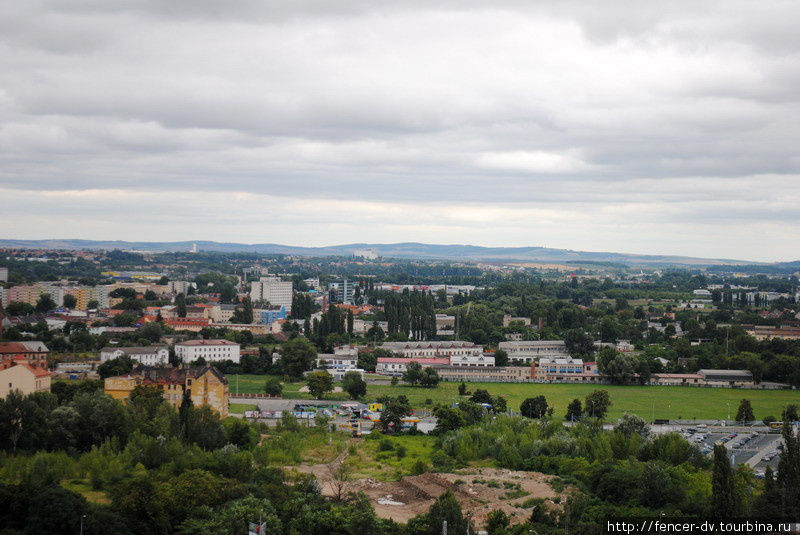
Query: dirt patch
479 491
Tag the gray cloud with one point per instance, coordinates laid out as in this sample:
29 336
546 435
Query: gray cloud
684 109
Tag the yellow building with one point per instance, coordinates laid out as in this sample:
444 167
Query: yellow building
25 378
206 385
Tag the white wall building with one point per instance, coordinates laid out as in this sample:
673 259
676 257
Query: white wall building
157 355
210 350
434 349
180 287
529 350
274 290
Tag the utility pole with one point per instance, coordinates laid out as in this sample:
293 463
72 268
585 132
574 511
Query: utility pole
82 517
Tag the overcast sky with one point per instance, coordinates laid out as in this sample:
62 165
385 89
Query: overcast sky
644 127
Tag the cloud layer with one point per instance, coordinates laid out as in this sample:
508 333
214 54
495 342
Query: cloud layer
622 126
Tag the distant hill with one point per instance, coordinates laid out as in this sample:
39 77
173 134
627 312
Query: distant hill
408 250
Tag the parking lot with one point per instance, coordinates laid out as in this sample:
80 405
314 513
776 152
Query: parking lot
755 447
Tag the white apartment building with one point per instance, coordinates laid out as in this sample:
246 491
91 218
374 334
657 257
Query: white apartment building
434 349
342 357
529 350
3 274
210 350
156 355
180 287
274 290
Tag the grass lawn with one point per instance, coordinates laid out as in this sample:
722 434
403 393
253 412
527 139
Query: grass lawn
82 487
646 401
239 408
389 458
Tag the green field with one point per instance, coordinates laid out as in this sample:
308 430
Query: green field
647 401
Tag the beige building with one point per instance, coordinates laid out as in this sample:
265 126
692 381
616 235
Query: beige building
206 385
24 378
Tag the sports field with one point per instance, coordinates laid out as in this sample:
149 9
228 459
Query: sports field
669 402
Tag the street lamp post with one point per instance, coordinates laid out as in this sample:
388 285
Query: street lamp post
82 517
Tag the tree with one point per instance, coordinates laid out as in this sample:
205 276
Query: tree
113 367
499 405
481 396
393 412
299 355
745 411
446 509
354 385
180 305
789 414
496 522
319 383
501 357
429 378
448 419
723 487
244 314
19 308
413 373
574 410
630 424
152 331
350 322
597 403
273 387
45 303
70 301
534 407
578 342
462 389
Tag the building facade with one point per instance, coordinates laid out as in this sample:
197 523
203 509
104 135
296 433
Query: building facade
205 385
209 350
531 350
274 290
156 355
23 377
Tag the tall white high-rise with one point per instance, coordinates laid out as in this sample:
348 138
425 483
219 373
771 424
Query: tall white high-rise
274 290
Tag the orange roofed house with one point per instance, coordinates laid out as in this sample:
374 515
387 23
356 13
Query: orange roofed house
34 353
206 385
21 376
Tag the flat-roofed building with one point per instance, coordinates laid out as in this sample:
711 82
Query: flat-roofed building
397 365
155 355
274 290
209 350
434 349
530 350
727 377
490 374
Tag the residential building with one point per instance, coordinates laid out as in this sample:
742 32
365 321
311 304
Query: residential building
23 377
209 350
3 274
342 357
180 287
221 313
530 350
554 369
256 329
206 385
188 324
274 290
155 355
343 291
33 353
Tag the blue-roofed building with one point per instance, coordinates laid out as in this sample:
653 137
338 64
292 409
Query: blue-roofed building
272 314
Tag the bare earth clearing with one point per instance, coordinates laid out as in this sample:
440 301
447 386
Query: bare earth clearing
479 490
